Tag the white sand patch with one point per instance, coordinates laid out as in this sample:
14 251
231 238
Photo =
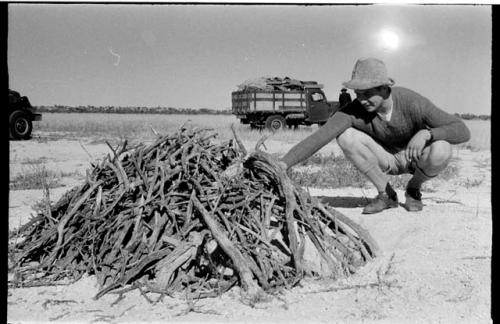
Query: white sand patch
435 265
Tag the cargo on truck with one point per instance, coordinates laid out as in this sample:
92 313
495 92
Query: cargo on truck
274 103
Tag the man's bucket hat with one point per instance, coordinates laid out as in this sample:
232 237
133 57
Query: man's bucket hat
368 73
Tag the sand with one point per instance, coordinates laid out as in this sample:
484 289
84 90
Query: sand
435 265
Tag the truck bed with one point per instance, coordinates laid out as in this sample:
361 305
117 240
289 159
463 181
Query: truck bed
266 100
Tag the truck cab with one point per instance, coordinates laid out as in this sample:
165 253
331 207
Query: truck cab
21 116
318 109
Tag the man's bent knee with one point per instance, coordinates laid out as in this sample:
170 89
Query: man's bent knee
436 157
440 153
350 138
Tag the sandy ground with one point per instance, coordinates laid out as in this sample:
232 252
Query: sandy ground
435 265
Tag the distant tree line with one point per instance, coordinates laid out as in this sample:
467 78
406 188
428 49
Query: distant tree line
132 110
472 116
172 111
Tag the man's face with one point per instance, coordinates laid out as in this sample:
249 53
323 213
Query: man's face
371 99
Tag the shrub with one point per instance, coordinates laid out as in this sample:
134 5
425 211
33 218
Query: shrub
36 178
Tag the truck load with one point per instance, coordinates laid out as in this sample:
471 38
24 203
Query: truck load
274 103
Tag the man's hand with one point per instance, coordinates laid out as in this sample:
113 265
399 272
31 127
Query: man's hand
232 170
237 167
417 144
282 165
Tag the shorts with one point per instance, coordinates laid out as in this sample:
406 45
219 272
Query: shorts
397 163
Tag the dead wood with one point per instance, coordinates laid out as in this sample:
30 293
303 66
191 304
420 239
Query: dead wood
163 218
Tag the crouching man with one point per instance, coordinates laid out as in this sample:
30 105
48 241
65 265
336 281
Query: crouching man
387 130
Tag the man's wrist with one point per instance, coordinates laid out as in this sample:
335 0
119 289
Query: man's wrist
283 165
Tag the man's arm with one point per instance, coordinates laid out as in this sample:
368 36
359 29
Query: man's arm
444 126
337 124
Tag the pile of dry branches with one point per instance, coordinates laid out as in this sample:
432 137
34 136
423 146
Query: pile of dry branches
164 218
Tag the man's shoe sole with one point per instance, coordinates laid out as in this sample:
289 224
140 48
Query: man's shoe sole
413 208
378 211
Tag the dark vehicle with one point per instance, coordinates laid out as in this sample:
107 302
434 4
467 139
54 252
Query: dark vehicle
21 116
304 103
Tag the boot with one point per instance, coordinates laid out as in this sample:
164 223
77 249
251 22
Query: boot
384 200
413 200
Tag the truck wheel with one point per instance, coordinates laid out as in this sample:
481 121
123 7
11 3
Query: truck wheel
20 125
275 122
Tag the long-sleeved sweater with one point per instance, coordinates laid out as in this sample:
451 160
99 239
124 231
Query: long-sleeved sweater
411 112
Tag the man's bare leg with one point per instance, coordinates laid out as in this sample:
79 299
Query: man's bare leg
370 158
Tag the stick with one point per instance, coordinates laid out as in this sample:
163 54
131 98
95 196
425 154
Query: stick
67 217
238 141
239 261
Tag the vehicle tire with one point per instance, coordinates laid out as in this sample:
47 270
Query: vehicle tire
275 122
20 125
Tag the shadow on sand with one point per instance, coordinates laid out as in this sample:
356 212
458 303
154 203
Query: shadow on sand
344 202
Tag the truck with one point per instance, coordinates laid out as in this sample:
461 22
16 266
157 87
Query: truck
274 103
21 116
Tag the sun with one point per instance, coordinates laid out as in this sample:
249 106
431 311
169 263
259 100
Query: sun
389 39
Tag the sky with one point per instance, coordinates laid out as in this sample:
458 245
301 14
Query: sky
194 56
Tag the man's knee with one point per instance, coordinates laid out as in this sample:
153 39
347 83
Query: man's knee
350 139
440 152
438 155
